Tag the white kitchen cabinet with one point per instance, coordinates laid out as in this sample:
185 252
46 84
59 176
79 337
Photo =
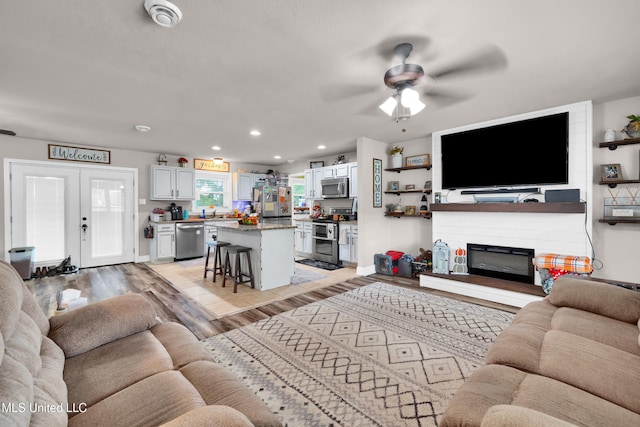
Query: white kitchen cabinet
163 244
243 184
303 237
172 183
328 172
353 180
342 170
312 183
348 250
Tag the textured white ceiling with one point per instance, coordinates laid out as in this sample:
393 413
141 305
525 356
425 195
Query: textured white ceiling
86 71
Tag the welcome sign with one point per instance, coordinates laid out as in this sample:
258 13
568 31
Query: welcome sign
77 154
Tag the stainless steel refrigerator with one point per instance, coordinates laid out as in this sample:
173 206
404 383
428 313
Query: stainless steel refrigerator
273 203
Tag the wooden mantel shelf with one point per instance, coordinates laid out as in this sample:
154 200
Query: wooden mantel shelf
559 207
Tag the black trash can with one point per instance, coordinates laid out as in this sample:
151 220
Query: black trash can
22 261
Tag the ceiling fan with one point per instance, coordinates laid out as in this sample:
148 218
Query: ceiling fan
411 83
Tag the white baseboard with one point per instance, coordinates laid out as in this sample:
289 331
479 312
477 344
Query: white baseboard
365 271
143 258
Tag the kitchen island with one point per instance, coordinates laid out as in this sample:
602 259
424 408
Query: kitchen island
272 255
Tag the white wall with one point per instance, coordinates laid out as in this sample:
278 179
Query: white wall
377 233
616 246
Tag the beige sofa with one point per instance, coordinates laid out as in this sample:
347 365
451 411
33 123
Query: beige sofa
111 363
570 359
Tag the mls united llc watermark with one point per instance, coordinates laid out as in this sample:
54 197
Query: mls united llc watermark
21 407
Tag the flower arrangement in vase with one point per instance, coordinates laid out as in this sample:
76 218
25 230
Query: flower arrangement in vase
396 156
632 129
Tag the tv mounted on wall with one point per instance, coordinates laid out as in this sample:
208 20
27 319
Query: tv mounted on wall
527 152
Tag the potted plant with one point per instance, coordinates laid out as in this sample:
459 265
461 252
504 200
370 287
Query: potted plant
396 156
182 162
632 130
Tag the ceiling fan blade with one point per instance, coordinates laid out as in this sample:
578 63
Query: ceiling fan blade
488 58
444 97
340 92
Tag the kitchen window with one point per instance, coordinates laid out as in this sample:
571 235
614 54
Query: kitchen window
213 191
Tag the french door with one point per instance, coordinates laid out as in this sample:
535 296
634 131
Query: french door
83 212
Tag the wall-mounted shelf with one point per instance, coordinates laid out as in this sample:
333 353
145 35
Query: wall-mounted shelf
614 221
426 215
559 207
407 191
408 168
614 144
613 184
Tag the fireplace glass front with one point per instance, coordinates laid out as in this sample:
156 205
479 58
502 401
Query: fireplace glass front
502 262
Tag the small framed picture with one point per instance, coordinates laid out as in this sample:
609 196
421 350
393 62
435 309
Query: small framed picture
419 160
427 186
316 164
409 187
409 210
611 172
394 186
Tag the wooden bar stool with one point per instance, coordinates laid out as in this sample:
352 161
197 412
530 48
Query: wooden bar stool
217 258
237 274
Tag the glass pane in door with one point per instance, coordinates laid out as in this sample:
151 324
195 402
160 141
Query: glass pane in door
107 217
45 216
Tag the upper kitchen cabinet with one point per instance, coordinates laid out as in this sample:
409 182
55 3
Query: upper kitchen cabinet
243 184
172 183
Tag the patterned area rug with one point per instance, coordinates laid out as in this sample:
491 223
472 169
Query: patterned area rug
380 355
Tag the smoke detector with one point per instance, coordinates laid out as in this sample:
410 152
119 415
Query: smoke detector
163 13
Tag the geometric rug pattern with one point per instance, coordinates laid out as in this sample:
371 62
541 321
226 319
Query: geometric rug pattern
379 355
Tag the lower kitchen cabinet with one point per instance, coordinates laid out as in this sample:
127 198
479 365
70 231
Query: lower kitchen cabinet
348 243
304 237
163 245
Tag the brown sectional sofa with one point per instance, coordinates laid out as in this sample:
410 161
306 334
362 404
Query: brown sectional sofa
570 359
111 363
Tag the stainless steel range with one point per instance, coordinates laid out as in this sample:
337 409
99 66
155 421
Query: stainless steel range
325 240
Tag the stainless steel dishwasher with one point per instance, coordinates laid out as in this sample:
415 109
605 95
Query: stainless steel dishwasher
189 240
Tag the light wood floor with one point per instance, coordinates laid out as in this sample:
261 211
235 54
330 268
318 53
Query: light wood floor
179 293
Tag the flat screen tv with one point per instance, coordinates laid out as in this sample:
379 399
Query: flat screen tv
527 152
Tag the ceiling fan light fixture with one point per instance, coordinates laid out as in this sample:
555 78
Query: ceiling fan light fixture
416 107
389 105
409 97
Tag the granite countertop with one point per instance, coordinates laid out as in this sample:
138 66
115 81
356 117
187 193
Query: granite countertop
208 219
257 227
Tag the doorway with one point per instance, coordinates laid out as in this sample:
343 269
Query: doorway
85 212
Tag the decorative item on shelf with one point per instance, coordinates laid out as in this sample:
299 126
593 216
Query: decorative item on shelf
340 159
427 187
424 207
316 164
390 207
440 257
632 129
409 187
410 210
611 173
419 160
633 192
182 161
162 159
614 197
394 186
396 156
460 262
609 135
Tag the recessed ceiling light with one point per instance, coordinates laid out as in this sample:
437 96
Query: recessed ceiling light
255 132
277 157
142 128
215 147
290 161
321 147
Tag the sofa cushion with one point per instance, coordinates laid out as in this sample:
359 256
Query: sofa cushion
218 386
212 415
502 385
102 322
517 416
597 297
183 347
31 385
101 372
599 369
152 401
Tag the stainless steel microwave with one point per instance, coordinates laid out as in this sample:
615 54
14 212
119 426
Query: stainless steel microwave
335 188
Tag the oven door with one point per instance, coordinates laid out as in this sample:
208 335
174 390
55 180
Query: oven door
324 230
325 250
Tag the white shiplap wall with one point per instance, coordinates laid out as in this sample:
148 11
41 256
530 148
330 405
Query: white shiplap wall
544 232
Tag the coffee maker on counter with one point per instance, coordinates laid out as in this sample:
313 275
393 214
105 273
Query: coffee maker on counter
176 211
